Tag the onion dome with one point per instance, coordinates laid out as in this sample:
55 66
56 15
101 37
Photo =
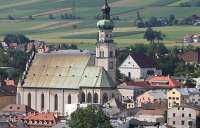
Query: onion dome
105 24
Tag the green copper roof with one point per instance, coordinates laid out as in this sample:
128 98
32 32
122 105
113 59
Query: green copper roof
105 24
61 70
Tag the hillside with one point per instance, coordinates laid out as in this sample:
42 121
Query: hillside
83 30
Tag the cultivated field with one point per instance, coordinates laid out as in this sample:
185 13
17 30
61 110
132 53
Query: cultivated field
83 31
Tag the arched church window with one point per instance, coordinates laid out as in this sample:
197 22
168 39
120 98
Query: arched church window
82 97
69 99
56 102
42 101
105 98
19 98
29 99
95 98
89 98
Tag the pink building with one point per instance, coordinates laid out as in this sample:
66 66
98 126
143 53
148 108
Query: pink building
152 96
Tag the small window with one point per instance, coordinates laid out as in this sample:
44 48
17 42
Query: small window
190 115
182 108
182 122
178 108
111 54
110 65
174 114
183 115
170 98
173 92
190 123
177 98
173 98
174 122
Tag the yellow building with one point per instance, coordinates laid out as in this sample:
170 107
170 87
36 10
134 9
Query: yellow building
178 96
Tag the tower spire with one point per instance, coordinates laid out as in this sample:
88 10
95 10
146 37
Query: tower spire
106 10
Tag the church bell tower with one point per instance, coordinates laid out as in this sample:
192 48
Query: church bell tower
105 48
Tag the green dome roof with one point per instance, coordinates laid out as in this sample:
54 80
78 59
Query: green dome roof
105 24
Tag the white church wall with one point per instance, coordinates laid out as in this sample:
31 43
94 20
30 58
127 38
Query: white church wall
59 94
46 100
25 97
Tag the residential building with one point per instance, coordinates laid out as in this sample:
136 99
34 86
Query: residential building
57 79
151 96
194 98
129 90
7 94
41 120
38 46
184 116
190 57
139 66
9 82
164 82
178 96
192 38
150 116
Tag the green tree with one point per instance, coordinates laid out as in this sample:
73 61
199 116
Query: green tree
16 38
149 35
159 36
89 117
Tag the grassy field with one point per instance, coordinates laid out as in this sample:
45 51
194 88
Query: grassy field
62 31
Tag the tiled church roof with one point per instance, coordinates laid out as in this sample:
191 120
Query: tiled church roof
61 70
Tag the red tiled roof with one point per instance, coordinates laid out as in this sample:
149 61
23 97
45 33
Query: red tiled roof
170 81
190 56
150 112
49 116
151 83
18 108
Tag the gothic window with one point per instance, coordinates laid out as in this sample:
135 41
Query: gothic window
29 99
19 98
82 97
69 99
95 98
42 102
56 102
89 98
110 65
105 98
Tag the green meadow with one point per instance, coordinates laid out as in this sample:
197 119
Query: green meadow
84 34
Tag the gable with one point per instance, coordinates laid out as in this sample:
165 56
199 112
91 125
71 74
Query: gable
129 62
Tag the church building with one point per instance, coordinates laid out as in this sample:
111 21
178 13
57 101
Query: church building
54 80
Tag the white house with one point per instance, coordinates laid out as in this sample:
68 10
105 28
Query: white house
137 66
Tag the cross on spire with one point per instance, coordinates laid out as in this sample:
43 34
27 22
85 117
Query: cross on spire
106 10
